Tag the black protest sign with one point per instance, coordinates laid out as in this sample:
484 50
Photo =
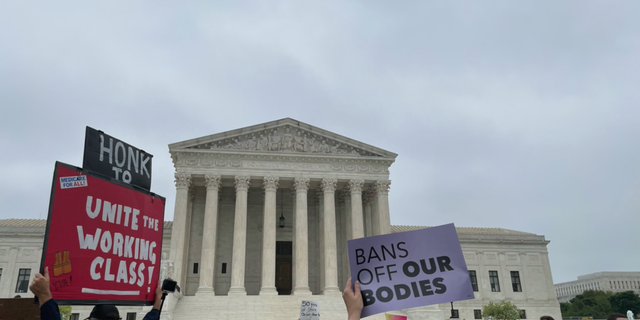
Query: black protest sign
117 159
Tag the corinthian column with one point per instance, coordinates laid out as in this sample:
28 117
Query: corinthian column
367 197
357 220
330 285
178 232
270 185
320 238
187 232
210 227
382 190
302 238
239 237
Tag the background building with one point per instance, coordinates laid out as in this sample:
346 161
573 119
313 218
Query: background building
603 281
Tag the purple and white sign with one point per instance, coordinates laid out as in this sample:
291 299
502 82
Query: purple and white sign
410 269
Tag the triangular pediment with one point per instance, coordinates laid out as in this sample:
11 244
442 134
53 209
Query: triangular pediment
283 136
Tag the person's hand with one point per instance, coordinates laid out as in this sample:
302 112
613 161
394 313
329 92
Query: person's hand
40 287
353 300
158 302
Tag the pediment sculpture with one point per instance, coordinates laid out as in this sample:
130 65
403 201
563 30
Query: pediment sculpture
285 139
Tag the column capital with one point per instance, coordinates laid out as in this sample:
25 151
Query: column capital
212 181
340 197
382 186
182 180
192 192
242 183
270 183
301 184
317 196
329 185
355 185
368 195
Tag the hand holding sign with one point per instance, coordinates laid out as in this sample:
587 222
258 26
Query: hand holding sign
353 300
409 269
40 287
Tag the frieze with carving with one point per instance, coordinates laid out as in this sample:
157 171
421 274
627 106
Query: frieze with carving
202 161
285 139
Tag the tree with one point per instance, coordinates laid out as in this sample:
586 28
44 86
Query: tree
65 312
501 310
623 301
591 303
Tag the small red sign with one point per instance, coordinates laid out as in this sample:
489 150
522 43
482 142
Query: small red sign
103 240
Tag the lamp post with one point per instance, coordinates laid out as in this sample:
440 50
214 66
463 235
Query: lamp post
281 211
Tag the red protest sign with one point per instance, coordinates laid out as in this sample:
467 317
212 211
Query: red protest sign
103 240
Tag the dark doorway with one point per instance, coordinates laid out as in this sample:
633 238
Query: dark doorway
283 267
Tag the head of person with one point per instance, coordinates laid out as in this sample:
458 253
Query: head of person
546 318
617 316
104 312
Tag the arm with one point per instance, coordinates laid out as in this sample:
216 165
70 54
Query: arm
154 314
40 288
353 300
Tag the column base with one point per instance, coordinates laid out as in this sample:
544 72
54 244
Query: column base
331 291
237 291
301 291
268 291
204 291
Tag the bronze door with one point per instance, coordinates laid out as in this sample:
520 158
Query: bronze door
283 267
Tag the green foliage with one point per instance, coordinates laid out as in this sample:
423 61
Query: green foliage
592 303
600 304
65 312
623 301
501 310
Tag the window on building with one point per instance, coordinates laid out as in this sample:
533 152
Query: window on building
224 267
495 283
523 314
131 316
474 280
74 316
455 314
0 274
515 281
477 314
22 285
195 268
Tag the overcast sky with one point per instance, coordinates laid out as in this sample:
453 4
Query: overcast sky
513 114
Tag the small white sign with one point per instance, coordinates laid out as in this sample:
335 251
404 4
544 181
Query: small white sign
73 182
309 311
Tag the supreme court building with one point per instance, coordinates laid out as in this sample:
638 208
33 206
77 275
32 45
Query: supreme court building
266 210
261 222
263 214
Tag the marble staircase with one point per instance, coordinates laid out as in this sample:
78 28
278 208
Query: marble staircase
212 307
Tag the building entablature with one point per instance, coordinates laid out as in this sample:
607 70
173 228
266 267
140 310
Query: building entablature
228 165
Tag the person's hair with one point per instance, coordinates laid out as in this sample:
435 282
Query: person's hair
105 312
546 318
615 316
